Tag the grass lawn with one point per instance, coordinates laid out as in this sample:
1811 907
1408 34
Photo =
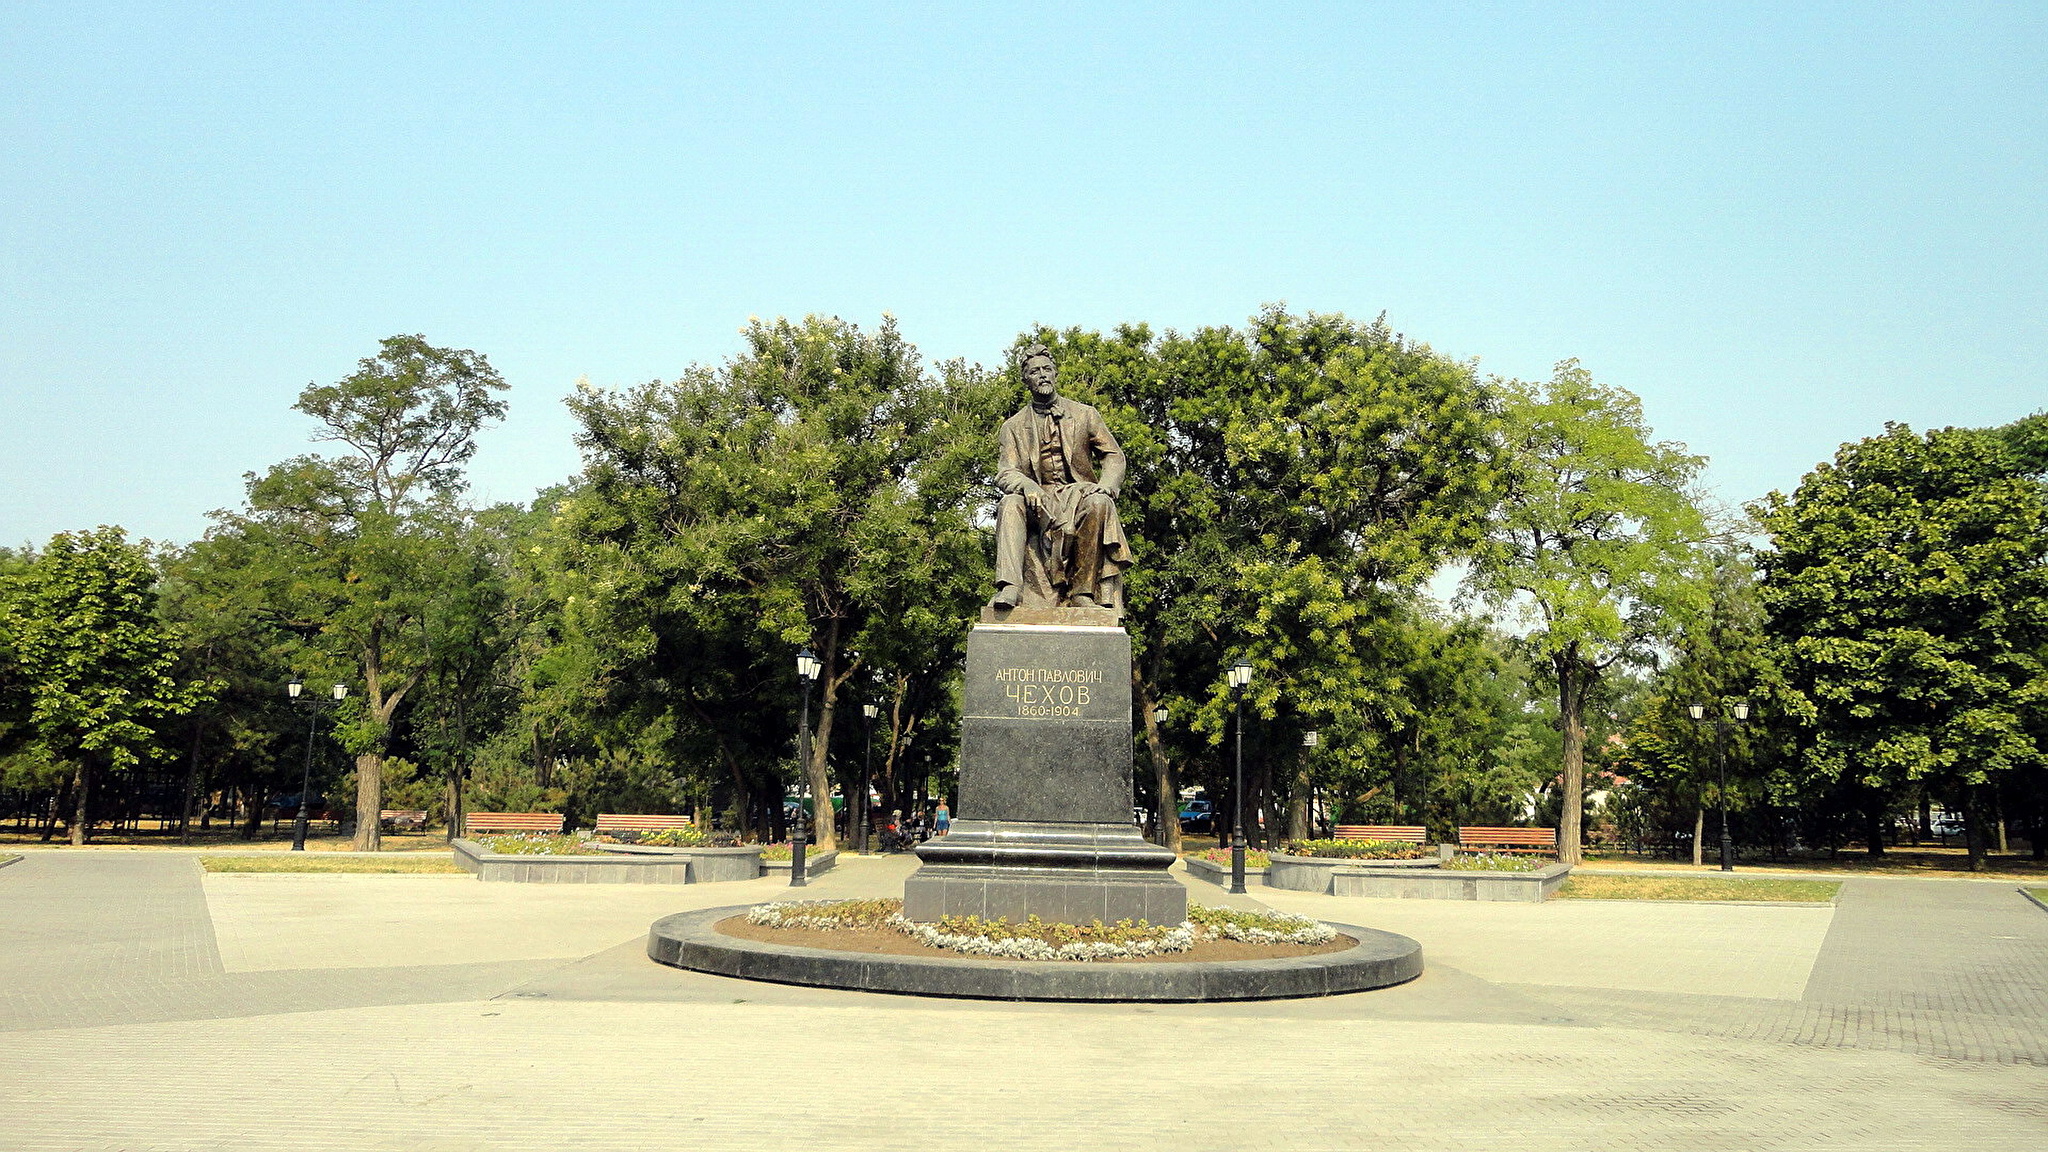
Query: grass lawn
1926 860
223 838
1697 888
326 862
2040 894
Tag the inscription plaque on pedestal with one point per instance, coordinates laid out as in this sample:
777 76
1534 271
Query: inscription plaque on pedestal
1044 826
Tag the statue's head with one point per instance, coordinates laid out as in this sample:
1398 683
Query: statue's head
1041 374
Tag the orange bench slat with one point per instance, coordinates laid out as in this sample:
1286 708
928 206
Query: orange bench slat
515 821
1538 839
1412 833
621 822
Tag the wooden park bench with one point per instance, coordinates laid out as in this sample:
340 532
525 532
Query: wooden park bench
1532 841
404 819
477 822
609 822
1412 833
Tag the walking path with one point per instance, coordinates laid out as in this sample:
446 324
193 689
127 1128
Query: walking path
147 1005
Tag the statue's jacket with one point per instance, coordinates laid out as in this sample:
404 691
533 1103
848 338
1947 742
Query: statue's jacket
1083 438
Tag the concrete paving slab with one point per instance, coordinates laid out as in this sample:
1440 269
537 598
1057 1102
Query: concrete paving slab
1923 1025
272 921
536 1073
1645 946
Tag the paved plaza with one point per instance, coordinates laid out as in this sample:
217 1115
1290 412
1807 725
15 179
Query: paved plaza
147 1005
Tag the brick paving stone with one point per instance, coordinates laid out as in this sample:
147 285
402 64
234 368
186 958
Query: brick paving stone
1934 946
1921 1025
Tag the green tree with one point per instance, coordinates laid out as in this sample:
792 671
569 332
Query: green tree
1595 547
1291 483
1907 582
1722 656
808 492
96 664
370 544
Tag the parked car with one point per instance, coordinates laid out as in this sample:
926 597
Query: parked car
1197 816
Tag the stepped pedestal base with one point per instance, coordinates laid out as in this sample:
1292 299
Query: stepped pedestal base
1045 785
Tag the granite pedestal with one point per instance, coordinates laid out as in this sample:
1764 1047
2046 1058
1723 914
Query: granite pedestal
1044 826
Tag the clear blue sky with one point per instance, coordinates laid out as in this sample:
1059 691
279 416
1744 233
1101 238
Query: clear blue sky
1781 225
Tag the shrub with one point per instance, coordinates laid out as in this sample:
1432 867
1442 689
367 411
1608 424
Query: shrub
1259 927
1360 849
1493 862
537 844
827 913
1253 857
672 838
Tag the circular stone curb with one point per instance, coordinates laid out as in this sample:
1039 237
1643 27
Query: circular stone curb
690 940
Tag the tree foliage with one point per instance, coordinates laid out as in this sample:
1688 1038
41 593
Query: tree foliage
1595 547
1907 586
92 660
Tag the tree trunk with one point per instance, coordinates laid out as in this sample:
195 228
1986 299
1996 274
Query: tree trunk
1976 821
252 812
823 837
191 787
1699 835
1162 769
81 793
1873 823
1573 679
742 801
369 802
1298 801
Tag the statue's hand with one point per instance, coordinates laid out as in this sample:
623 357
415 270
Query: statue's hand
1034 499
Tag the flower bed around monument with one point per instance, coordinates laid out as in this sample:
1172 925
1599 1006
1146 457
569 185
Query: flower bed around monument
1036 939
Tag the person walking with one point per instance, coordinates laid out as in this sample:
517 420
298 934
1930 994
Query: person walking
943 820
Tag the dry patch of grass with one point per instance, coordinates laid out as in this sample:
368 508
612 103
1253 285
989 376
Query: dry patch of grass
328 862
1698 888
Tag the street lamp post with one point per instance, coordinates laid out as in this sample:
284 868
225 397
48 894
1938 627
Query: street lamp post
1737 713
867 774
1240 676
1310 741
807 669
306 775
1169 806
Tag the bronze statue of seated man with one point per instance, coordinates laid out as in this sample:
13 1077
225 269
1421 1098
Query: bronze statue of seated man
1059 543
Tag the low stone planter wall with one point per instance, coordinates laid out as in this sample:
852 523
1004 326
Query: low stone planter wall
667 866
814 863
1219 874
1313 873
1448 884
707 865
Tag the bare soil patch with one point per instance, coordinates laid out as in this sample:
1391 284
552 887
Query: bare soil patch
889 942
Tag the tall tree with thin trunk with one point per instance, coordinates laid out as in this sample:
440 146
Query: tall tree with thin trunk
365 537
1596 548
